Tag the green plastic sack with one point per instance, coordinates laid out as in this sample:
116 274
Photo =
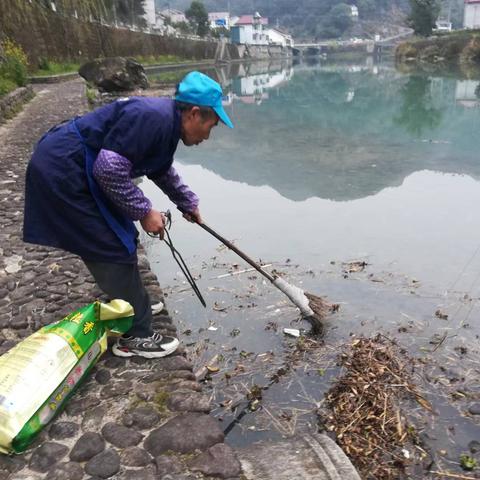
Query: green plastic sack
40 374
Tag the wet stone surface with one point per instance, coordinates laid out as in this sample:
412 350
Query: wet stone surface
128 412
203 432
219 461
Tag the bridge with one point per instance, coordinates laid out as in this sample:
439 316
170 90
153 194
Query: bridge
368 45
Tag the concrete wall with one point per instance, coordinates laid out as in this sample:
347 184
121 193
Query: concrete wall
44 33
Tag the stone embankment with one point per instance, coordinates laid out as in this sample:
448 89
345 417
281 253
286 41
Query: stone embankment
11 103
132 418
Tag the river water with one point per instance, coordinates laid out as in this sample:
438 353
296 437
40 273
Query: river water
331 164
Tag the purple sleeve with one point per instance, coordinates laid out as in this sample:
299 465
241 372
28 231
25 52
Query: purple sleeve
112 173
172 185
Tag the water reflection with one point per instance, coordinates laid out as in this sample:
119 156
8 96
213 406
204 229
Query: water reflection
417 113
339 131
467 93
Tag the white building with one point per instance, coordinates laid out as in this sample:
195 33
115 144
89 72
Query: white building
443 26
354 11
219 20
471 14
251 30
277 37
175 16
150 16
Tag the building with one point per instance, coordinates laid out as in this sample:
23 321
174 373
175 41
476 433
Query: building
277 37
471 14
175 16
250 29
354 11
150 16
219 20
443 26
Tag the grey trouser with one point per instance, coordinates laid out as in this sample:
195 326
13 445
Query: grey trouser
122 280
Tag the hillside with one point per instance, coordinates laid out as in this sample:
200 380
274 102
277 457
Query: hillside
311 19
319 19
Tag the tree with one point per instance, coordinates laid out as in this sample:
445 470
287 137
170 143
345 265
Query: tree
197 15
366 8
341 16
423 15
418 112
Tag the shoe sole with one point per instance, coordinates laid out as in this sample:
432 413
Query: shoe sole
157 308
140 353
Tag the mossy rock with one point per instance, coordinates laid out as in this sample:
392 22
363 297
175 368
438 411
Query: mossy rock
160 401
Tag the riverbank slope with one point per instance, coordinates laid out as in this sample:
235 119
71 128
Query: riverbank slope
457 51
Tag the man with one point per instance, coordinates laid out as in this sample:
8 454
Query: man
80 195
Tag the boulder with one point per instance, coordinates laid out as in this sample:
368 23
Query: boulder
114 74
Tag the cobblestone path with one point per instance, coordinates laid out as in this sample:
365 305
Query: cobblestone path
131 419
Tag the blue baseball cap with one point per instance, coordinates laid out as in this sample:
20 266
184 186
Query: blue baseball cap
199 89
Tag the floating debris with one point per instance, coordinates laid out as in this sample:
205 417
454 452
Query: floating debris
441 315
363 409
356 266
293 332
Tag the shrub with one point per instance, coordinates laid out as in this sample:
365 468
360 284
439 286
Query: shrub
43 63
13 64
6 86
471 53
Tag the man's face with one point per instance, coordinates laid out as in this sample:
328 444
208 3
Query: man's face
195 128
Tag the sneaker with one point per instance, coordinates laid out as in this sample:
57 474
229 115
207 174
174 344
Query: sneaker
155 346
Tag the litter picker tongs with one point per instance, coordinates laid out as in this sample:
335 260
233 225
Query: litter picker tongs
178 257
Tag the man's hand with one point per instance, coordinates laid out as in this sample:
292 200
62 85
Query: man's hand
154 222
194 216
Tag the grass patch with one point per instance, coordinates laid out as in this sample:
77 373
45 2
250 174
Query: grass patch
6 86
161 59
47 68
168 77
92 94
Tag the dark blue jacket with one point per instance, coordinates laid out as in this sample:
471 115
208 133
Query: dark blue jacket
60 210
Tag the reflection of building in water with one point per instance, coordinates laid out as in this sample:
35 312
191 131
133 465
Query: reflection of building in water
253 88
466 93
227 99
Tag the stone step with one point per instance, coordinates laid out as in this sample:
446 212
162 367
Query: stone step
306 457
